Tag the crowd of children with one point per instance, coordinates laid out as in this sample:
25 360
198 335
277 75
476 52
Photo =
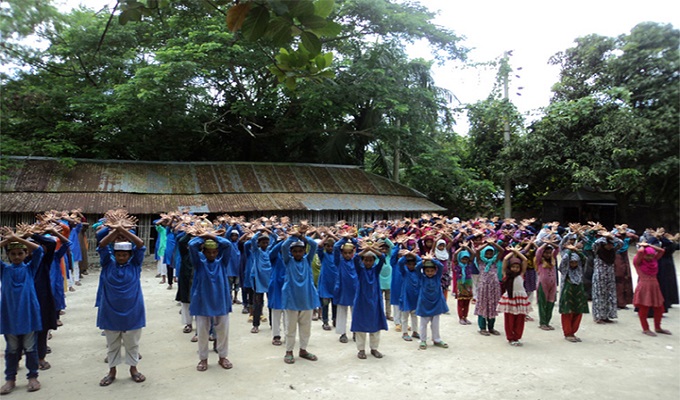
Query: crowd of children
399 271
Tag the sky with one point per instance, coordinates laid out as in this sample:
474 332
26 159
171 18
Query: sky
533 29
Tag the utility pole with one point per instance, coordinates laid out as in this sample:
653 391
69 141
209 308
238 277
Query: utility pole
505 70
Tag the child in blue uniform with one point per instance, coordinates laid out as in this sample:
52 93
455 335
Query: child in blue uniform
300 296
410 287
346 284
20 318
121 311
263 246
368 315
211 295
327 278
431 301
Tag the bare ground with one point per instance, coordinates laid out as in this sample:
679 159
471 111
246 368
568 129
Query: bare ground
614 361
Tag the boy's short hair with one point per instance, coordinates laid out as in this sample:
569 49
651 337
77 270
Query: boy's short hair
429 264
298 243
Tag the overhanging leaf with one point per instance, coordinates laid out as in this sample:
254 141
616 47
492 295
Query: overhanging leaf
311 43
236 15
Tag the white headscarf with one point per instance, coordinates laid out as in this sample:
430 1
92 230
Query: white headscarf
442 255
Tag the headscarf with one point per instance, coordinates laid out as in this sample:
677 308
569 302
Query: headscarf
575 275
488 261
462 266
649 267
442 255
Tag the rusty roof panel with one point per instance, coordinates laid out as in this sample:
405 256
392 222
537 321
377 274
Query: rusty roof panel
172 178
287 177
99 203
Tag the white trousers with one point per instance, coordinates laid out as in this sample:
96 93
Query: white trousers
301 320
373 337
435 328
128 339
75 274
341 319
279 316
396 312
221 327
187 318
475 285
160 267
404 320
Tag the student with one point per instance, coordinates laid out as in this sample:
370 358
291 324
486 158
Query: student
395 287
346 285
121 311
263 246
546 268
514 303
386 275
647 292
530 275
275 294
573 296
300 296
20 318
431 301
43 289
211 295
489 290
185 275
327 278
410 289
368 316
463 269
441 253
604 280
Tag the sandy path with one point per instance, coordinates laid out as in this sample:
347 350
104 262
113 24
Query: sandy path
614 361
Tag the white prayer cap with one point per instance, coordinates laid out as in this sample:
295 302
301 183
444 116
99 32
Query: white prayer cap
122 246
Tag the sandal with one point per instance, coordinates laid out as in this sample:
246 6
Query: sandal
343 338
8 387
276 341
376 354
484 333
255 329
406 337
107 380
307 356
415 335
44 365
361 355
224 363
194 339
441 344
33 385
289 359
202 365
138 377
494 332
326 327
649 333
187 329
663 331
571 339
422 346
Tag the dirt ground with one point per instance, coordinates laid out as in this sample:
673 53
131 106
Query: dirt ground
614 361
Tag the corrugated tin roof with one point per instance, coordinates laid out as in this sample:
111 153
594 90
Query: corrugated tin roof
210 203
38 184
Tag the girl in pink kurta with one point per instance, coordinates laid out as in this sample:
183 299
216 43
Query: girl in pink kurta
648 293
546 263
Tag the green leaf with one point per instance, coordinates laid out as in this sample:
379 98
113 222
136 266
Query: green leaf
331 29
313 21
291 83
302 8
256 23
324 7
279 31
311 43
131 14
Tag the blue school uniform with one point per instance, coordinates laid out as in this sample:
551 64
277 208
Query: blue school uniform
395 295
210 294
346 284
410 286
43 285
275 292
57 279
121 303
19 307
368 314
233 269
328 275
431 300
299 292
261 268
